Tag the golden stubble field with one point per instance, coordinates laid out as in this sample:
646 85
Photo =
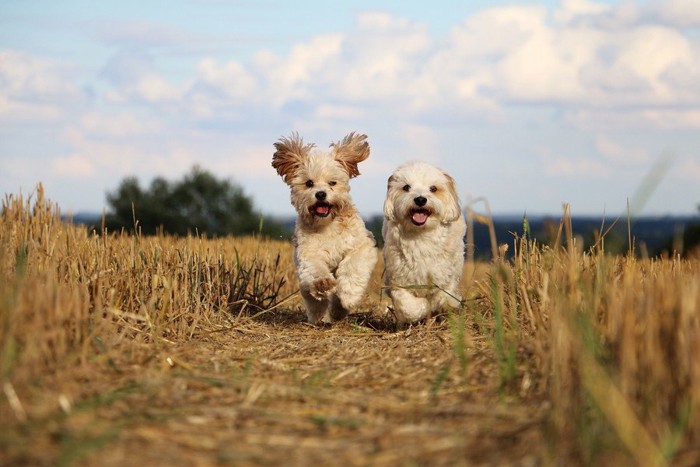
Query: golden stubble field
118 349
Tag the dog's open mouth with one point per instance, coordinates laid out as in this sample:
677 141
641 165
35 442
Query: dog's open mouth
321 209
419 216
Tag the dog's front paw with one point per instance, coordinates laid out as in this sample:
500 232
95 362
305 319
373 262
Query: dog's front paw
322 288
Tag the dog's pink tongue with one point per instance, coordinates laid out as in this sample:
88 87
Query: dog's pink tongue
420 217
322 210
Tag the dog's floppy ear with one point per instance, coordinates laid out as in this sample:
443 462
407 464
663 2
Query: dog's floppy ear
352 150
389 201
453 209
289 155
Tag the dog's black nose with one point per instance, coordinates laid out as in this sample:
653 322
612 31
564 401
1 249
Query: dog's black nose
420 200
320 195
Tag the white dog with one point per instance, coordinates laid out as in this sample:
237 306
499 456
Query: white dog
334 253
423 241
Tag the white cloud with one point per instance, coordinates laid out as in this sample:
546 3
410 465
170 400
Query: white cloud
676 13
571 11
26 76
565 55
293 77
35 89
232 78
583 13
503 26
153 88
569 57
545 67
135 79
646 54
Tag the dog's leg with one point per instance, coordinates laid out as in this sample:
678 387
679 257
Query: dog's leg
316 310
315 279
408 308
353 275
317 285
338 312
449 295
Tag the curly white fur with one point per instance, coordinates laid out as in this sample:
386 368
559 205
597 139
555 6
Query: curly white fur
334 253
423 241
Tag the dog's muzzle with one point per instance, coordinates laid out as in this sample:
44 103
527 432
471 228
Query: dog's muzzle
321 208
419 216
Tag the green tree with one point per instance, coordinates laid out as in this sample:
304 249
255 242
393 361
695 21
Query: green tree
197 203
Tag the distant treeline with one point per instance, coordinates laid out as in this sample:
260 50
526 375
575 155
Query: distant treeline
651 236
202 204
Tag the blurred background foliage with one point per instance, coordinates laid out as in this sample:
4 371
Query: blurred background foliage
201 203
198 203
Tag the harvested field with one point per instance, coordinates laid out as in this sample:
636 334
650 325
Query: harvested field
125 350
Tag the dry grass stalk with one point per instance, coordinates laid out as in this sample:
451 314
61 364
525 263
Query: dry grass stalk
64 286
112 342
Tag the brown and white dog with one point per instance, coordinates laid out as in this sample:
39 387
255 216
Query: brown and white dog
423 234
334 254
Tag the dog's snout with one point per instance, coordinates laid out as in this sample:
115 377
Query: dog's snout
321 195
420 200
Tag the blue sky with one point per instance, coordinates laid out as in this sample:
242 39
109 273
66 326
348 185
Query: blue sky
528 104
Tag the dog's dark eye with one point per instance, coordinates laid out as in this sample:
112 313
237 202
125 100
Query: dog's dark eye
332 183
433 189
309 183
406 187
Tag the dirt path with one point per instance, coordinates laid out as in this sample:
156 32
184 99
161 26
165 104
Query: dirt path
277 391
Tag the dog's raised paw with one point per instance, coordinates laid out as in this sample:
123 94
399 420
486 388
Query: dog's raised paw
322 288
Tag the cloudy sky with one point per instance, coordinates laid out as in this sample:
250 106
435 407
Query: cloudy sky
528 104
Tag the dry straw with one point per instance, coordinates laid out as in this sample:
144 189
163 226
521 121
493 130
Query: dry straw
197 348
613 342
